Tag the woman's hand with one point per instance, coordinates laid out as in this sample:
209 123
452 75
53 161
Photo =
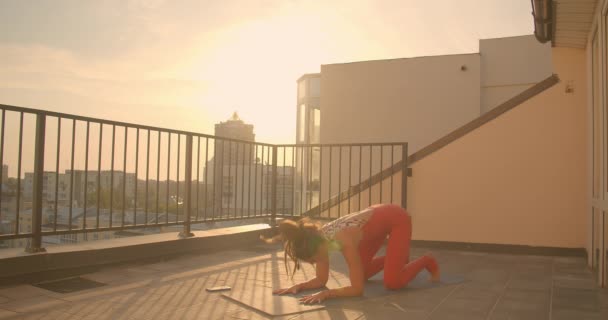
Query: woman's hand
315 298
293 290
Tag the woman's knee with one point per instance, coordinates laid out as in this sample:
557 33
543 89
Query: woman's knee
391 282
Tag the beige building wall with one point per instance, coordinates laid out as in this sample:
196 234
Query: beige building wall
518 179
417 100
510 66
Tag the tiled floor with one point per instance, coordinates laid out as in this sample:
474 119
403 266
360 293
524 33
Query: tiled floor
497 287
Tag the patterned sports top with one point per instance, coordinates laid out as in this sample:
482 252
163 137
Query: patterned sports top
356 219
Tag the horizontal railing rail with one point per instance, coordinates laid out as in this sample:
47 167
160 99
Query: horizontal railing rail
117 123
92 176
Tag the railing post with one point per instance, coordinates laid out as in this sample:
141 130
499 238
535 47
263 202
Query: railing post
273 214
188 192
36 243
404 170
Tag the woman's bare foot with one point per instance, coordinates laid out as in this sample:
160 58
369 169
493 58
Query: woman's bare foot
435 274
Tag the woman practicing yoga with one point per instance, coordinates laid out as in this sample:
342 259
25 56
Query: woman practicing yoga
358 236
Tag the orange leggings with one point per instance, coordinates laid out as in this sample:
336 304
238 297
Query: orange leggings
394 221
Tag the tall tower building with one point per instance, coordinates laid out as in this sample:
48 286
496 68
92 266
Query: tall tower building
228 152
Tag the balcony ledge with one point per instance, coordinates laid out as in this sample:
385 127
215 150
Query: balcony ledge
17 266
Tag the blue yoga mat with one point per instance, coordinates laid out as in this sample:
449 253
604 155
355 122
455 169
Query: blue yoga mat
374 287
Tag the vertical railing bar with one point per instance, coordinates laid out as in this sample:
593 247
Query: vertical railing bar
249 165
168 176
360 174
214 177
270 194
321 182
19 174
302 193
243 183
147 177
293 179
86 177
112 176
236 179
339 181
229 178
269 168
57 174
262 184
137 180
381 168
350 168
206 176
371 159
404 161
222 182
331 149
98 173
124 179
310 178
268 184
273 198
283 178
2 157
188 189
198 176
255 183
157 179
392 163
72 173
177 178
37 187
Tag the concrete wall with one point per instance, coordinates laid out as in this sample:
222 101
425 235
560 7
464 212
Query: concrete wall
518 179
510 66
417 100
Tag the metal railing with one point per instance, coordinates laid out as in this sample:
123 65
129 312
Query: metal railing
118 176
332 180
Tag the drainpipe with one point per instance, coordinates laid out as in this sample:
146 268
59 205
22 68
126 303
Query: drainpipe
542 11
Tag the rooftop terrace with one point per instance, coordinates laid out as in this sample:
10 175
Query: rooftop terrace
497 286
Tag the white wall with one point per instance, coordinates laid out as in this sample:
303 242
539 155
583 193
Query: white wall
417 100
510 66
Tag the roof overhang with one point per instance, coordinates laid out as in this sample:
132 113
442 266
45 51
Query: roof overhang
566 23
308 75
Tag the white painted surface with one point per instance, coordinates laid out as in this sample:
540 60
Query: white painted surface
417 100
510 66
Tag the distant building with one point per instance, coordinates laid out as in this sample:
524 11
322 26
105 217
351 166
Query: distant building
239 177
227 155
57 186
234 152
54 186
4 172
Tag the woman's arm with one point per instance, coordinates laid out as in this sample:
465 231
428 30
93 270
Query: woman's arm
322 274
356 274
355 268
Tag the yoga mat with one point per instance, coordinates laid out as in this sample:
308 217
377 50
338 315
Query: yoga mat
262 299
374 287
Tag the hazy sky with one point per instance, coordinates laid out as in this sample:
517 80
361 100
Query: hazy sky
189 64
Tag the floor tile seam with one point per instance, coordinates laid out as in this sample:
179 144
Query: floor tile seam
443 300
500 296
